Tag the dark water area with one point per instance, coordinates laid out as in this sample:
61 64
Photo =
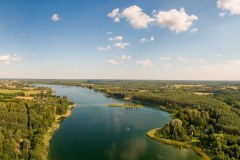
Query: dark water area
98 132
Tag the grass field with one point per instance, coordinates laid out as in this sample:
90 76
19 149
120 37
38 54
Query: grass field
7 91
202 93
10 91
187 85
24 98
31 92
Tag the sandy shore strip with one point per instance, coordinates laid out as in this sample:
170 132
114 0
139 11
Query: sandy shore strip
49 134
197 150
68 114
51 130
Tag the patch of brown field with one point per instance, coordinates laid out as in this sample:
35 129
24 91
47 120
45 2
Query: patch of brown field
28 88
9 91
232 87
187 85
34 92
202 93
24 98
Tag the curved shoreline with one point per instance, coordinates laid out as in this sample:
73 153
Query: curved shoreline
55 126
197 150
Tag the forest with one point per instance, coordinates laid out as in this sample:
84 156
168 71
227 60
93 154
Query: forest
204 112
26 113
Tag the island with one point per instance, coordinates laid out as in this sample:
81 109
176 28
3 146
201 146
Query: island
126 105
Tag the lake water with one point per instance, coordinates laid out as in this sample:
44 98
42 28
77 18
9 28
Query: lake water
98 132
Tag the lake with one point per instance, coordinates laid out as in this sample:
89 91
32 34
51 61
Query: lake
98 132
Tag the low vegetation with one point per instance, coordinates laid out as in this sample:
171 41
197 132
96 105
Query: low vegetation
125 105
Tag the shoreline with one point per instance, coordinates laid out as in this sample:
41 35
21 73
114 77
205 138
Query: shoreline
55 126
151 134
197 150
125 105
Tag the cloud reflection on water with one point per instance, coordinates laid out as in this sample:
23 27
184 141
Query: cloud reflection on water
128 150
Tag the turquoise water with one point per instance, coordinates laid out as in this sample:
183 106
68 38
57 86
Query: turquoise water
98 132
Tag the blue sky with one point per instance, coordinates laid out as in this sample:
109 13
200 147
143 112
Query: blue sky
120 39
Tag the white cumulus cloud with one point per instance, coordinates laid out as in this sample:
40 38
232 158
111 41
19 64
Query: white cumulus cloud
124 57
115 14
55 17
194 30
119 60
121 45
7 59
113 62
222 14
134 15
145 40
145 62
117 38
231 6
152 38
177 21
104 48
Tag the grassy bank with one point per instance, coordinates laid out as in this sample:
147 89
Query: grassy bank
56 124
188 145
50 132
171 111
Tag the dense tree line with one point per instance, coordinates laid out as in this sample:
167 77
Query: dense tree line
24 123
212 119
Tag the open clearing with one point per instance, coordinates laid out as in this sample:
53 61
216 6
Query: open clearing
24 98
8 91
202 93
33 92
187 85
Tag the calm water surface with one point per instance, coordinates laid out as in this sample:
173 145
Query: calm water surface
98 132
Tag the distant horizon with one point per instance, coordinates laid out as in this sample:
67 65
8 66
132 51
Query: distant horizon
117 79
